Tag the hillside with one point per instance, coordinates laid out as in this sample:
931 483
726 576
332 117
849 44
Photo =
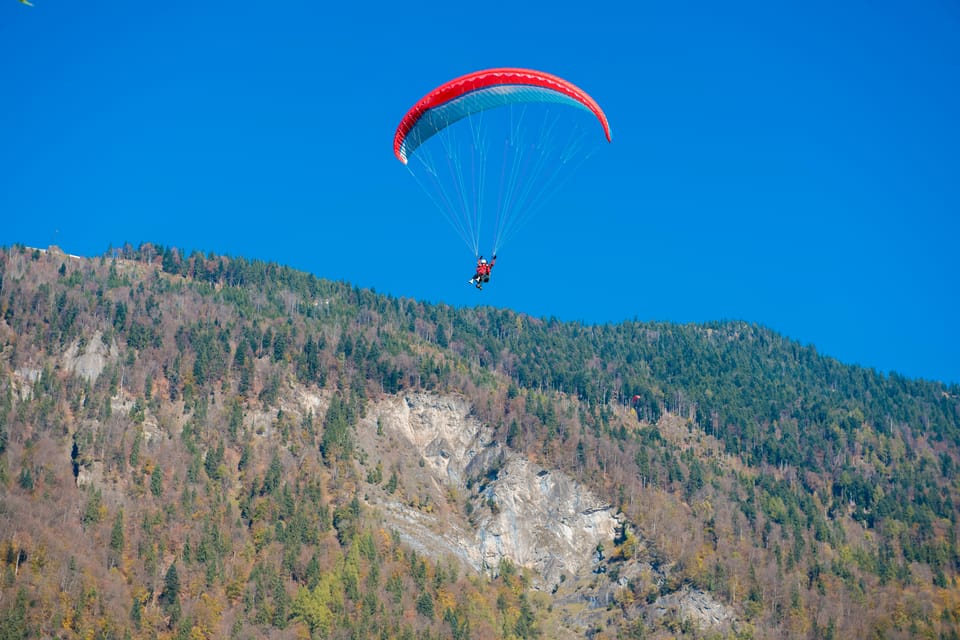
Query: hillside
205 446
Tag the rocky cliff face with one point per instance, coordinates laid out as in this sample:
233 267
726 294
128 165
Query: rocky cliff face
485 503
88 358
542 520
466 496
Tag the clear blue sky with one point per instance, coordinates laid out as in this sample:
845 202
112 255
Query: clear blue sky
791 164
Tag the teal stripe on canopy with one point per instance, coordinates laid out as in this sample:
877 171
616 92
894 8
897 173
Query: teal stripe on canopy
444 115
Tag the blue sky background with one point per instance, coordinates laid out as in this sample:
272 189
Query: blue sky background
791 164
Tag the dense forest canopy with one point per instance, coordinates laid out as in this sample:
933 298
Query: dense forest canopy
799 490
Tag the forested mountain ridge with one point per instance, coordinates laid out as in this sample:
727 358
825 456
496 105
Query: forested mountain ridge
155 480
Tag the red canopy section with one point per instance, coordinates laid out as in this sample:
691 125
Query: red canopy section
482 90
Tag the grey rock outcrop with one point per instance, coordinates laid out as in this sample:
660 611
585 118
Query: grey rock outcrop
695 605
88 359
539 519
542 520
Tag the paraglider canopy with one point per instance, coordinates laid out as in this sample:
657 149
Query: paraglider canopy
482 90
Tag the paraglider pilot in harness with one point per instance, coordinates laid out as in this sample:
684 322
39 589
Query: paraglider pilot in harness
482 274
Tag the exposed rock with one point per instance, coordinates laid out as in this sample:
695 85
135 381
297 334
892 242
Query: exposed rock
88 358
421 532
439 430
23 380
695 605
90 475
539 519
536 518
544 521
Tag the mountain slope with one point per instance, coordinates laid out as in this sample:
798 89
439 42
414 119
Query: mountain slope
207 445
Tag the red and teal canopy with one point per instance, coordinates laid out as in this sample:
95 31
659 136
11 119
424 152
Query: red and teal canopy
482 90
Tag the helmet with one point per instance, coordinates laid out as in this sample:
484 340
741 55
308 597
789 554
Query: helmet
483 261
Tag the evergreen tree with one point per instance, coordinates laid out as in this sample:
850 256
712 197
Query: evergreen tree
425 605
135 449
169 599
156 481
116 541
92 513
525 627
13 622
25 480
136 613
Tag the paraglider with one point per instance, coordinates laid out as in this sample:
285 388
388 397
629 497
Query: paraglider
482 273
496 144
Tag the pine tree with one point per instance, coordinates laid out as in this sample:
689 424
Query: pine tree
170 596
156 482
425 605
92 513
116 541
525 627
